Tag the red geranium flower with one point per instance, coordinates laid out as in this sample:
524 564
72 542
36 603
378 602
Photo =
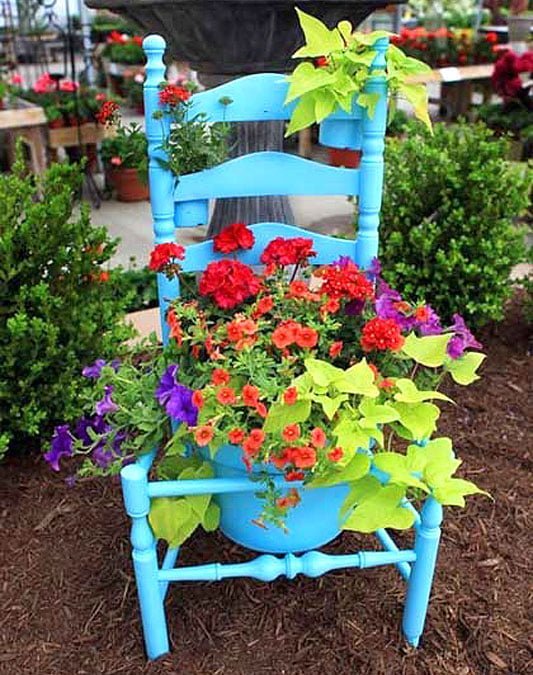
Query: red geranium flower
318 437
173 95
288 251
165 254
303 458
198 399
381 334
236 436
336 454
108 113
229 283
250 395
306 337
290 396
345 281
220 376
264 305
234 237
291 433
335 349
203 435
226 396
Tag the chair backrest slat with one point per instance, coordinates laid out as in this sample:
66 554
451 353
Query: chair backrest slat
267 173
258 98
328 248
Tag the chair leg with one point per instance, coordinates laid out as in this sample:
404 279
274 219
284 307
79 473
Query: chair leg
151 603
421 579
144 554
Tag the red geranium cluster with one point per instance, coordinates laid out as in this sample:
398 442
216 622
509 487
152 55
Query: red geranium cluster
282 252
165 255
228 283
173 95
345 281
506 76
381 334
108 113
233 238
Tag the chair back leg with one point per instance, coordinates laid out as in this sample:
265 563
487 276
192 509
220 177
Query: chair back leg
427 538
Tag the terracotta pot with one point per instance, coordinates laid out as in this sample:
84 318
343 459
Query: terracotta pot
128 185
56 124
350 159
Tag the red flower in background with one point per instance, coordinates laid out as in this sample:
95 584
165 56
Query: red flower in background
234 237
137 40
506 76
108 113
229 283
165 254
173 95
381 334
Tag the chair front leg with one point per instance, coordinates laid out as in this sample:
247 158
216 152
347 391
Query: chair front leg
421 578
144 554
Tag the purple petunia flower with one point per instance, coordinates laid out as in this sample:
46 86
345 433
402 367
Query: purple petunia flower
95 370
180 406
432 325
106 404
166 384
102 456
343 261
354 307
61 446
374 271
386 305
176 397
462 339
96 423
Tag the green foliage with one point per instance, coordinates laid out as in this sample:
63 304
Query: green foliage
448 232
193 144
130 145
341 77
176 518
56 315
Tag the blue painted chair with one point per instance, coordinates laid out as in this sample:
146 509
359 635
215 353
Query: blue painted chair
260 98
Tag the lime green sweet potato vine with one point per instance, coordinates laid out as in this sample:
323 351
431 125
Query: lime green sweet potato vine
337 70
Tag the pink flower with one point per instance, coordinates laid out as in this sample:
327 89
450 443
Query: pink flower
16 79
68 86
116 161
44 85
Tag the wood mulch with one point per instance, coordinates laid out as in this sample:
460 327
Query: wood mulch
68 603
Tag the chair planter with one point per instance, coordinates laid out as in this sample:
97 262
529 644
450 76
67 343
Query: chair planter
315 521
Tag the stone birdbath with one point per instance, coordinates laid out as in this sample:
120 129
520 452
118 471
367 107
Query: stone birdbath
223 39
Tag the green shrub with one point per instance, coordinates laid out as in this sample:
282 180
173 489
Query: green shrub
58 311
448 233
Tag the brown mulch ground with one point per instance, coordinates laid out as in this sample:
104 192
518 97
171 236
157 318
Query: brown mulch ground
68 604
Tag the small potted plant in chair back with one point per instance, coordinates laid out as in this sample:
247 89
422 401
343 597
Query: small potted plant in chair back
125 155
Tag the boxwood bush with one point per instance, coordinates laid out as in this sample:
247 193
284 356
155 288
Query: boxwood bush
449 231
58 309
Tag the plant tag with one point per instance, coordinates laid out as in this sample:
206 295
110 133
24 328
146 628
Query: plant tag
451 74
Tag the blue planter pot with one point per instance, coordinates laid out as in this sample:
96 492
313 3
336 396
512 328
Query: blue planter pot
313 523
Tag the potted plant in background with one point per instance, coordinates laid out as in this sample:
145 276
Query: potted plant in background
124 155
122 54
513 115
519 21
311 374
